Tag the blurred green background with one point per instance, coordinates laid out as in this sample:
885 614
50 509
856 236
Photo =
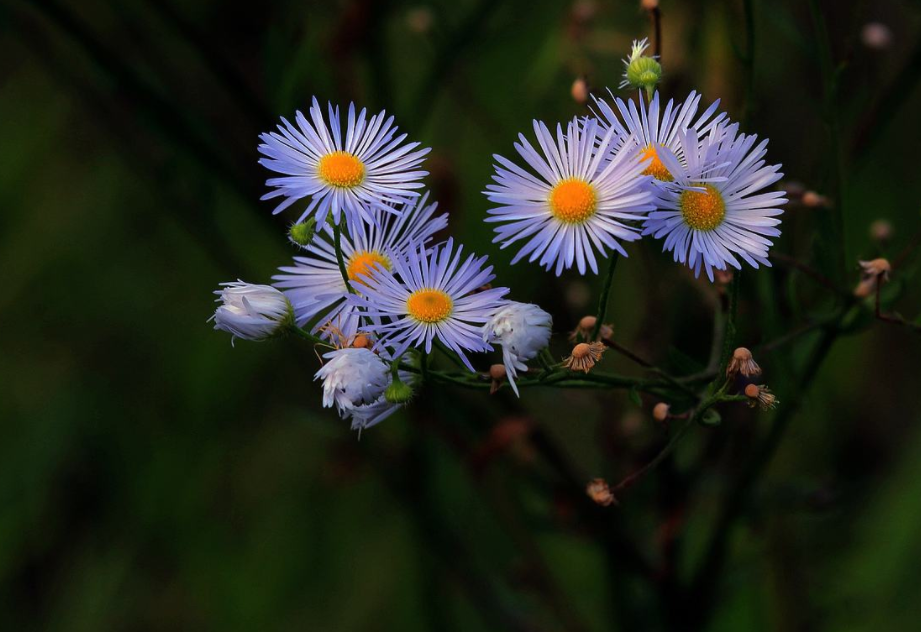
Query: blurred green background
152 477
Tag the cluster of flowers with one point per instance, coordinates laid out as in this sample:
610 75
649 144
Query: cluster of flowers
379 291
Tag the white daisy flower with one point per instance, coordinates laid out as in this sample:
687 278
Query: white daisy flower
251 312
713 213
352 377
430 295
653 129
587 189
314 285
523 330
367 169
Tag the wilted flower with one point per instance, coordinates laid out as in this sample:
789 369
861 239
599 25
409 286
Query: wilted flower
523 330
873 273
352 377
584 356
497 373
742 362
599 491
252 312
761 396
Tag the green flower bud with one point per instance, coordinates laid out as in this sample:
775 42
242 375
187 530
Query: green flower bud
302 234
398 392
644 72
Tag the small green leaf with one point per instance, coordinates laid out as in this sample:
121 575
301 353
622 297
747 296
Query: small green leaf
711 418
634 396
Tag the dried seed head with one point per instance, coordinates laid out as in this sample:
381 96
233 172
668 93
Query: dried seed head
761 396
742 362
579 91
875 268
584 356
660 411
586 327
598 490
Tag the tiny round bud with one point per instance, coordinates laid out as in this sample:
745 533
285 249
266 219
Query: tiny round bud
587 322
649 5
660 411
302 234
361 341
813 199
644 72
579 91
497 372
752 391
398 392
881 230
876 36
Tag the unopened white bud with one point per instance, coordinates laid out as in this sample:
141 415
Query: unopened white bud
252 312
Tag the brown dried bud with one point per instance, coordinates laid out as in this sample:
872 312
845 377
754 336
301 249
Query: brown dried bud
876 268
599 491
579 91
584 356
742 362
814 200
876 36
649 5
761 396
881 230
498 373
660 411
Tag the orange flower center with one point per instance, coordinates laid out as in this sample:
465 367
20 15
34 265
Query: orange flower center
429 305
341 169
362 262
573 201
655 169
703 210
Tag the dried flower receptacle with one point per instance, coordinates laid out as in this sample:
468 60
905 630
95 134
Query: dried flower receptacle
599 491
584 356
743 363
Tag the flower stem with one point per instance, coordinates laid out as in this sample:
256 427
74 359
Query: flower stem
605 292
337 237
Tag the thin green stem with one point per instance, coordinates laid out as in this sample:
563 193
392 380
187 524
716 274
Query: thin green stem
605 292
309 337
340 259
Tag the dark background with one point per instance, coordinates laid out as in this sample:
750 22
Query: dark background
154 477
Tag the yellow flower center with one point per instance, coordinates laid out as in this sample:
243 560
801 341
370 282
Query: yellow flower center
429 305
361 262
341 169
655 169
573 201
703 210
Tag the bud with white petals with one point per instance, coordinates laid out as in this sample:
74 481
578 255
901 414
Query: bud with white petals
352 377
252 312
523 330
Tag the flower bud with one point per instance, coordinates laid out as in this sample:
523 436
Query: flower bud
398 392
498 373
742 362
599 491
641 71
876 36
579 91
881 230
302 234
649 5
252 312
660 411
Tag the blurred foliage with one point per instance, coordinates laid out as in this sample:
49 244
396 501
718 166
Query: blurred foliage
154 477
